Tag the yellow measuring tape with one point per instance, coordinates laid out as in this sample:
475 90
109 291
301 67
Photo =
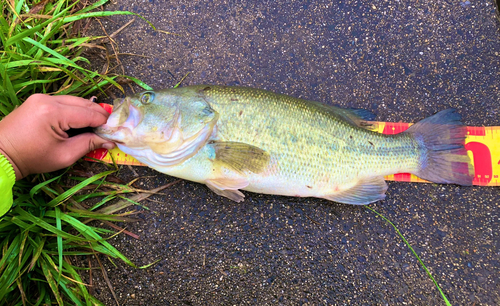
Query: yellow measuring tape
482 144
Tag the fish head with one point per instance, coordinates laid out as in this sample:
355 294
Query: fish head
164 122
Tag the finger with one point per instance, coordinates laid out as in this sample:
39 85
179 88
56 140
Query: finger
81 102
80 117
77 146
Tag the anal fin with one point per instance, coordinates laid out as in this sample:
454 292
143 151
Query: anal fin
366 191
228 187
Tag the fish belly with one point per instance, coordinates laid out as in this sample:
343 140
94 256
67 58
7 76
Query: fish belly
307 173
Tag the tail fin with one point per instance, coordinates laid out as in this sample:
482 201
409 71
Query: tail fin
444 158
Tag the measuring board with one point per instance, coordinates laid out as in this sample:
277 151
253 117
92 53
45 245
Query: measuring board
482 144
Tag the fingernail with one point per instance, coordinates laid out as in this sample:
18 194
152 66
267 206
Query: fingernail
93 99
108 145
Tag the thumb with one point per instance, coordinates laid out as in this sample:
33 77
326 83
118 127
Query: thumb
84 143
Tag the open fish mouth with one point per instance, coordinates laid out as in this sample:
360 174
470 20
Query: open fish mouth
114 134
121 123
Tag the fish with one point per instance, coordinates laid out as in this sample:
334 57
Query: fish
240 138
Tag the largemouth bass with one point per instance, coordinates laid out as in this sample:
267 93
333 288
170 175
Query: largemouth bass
237 138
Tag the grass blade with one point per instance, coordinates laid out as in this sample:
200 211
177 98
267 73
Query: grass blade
50 280
59 241
104 14
414 253
62 197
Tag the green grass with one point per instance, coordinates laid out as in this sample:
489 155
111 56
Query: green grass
49 225
40 54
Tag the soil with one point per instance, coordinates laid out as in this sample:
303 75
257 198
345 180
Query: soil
403 61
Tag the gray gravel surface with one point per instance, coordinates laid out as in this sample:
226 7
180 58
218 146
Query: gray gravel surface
403 60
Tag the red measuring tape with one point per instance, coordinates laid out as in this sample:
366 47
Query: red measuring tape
482 144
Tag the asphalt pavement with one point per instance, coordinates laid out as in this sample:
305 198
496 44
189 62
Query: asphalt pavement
402 60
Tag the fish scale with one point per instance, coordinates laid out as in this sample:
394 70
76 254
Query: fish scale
302 155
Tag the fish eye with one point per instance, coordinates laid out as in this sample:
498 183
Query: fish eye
147 97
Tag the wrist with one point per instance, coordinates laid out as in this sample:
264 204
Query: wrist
4 158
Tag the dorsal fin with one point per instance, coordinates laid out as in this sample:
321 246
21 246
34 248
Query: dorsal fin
355 116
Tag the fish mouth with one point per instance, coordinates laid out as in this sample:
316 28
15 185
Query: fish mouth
108 132
119 135
120 124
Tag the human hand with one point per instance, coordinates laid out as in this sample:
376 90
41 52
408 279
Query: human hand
33 137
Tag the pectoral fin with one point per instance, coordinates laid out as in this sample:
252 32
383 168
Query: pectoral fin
366 191
228 187
240 156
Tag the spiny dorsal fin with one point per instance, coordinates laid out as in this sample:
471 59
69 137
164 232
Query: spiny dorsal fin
240 156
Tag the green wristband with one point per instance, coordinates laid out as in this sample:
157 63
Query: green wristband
7 180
